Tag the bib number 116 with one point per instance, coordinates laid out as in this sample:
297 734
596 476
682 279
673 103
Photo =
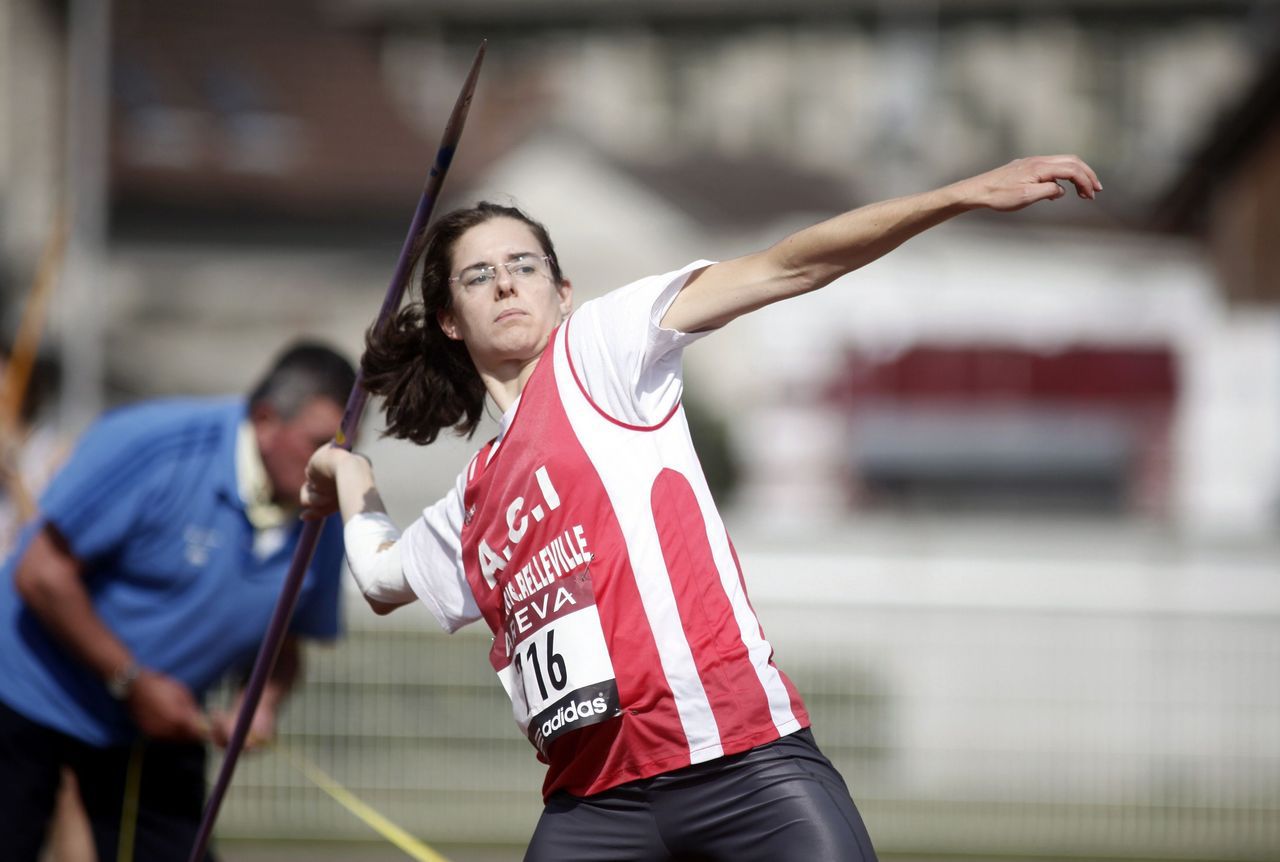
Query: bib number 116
557 673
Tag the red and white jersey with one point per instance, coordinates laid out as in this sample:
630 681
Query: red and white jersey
586 537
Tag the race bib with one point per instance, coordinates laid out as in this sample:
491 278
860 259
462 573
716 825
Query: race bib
556 667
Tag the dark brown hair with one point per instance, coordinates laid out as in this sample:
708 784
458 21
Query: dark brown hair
427 380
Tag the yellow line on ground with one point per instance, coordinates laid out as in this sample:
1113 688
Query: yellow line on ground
372 818
129 810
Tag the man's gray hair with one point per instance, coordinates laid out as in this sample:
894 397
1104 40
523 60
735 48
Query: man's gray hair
305 370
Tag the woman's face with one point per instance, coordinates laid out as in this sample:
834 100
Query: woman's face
505 300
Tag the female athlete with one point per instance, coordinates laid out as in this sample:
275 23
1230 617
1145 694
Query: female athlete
584 534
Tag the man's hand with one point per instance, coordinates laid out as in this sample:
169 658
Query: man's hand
164 709
262 730
1023 182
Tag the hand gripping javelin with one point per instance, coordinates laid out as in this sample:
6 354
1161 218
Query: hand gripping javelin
292 586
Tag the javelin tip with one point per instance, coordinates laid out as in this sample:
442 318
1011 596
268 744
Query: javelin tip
474 74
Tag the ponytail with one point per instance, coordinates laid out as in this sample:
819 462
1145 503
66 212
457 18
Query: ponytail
426 379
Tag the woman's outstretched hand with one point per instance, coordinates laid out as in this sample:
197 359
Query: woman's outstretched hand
1024 182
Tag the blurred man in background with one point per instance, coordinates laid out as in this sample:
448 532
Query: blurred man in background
150 569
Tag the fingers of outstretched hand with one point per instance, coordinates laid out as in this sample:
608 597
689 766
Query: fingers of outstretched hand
1046 191
1024 182
1072 169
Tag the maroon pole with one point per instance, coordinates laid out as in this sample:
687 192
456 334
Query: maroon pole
306 548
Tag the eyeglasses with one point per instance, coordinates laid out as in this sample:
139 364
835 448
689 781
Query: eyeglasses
526 268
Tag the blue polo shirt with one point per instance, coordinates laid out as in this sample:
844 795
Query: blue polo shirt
149 503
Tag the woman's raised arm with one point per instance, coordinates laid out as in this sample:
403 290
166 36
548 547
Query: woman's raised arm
816 256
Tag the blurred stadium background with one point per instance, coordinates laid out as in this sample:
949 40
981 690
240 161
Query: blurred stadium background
1007 500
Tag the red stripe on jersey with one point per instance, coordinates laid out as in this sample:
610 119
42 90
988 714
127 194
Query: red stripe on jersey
797 702
601 756
649 738
733 689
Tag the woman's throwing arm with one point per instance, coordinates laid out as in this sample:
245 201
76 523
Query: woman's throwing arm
815 256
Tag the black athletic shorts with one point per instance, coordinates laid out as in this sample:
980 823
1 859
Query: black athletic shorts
143 801
781 801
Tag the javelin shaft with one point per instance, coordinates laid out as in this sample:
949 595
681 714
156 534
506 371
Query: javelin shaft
306 547
412 247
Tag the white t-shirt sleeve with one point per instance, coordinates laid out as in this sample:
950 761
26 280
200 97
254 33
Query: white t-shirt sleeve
432 558
629 365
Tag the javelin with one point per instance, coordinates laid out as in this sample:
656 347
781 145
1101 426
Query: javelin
302 554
